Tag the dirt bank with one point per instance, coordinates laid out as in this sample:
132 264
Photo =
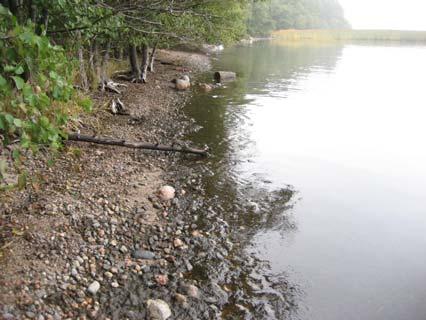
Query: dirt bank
90 215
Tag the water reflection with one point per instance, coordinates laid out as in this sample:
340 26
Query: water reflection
245 199
344 126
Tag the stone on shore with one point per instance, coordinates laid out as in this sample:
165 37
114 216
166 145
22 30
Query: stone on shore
166 193
158 309
143 254
94 287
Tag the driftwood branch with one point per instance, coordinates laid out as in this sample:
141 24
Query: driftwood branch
136 145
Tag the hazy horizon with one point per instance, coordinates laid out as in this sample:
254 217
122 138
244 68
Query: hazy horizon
386 14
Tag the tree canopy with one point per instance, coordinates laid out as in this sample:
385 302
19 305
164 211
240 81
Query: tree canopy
271 15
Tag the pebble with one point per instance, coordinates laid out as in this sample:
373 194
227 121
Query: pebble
166 193
94 287
161 279
192 291
143 254
108 274
183 300
158 310
177 243
115 284
123 249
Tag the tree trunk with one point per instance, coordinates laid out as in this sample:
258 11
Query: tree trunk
96 63
145 62
105 59
43 21
32 11
133 59
83 74
13 7
152 58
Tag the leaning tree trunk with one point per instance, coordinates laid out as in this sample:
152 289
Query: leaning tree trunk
145 62
133 59
152 58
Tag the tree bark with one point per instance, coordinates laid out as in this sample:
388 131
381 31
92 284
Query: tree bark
43 22
145 62
32 11
136 145
223 76
152 58
133 59
83 74
105 59
13 7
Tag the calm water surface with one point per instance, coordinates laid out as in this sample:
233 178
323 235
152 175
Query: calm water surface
344 126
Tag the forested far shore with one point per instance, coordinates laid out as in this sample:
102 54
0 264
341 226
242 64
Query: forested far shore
350 35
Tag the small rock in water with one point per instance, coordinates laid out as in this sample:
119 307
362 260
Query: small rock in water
166 193
206 87
158 309
94 287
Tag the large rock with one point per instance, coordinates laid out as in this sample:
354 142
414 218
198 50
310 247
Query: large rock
158 309
166 193
183 84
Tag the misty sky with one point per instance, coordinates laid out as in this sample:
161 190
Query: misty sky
386 14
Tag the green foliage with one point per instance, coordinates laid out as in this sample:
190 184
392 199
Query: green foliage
35 87
295 14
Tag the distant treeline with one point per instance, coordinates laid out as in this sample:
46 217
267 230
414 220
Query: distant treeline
351 35
266 16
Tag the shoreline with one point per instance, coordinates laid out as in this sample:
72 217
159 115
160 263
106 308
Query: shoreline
89 215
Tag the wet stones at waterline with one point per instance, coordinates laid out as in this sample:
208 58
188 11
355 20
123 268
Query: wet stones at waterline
182 83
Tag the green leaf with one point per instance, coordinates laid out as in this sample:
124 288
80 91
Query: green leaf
16 154
44 121
9 118
4 11
19 70
9 68
19 82
86 104
3 82
17 122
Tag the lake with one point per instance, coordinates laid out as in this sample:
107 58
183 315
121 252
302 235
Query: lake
341 127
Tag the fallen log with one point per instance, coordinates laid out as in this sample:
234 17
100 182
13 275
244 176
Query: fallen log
136 145
223 76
